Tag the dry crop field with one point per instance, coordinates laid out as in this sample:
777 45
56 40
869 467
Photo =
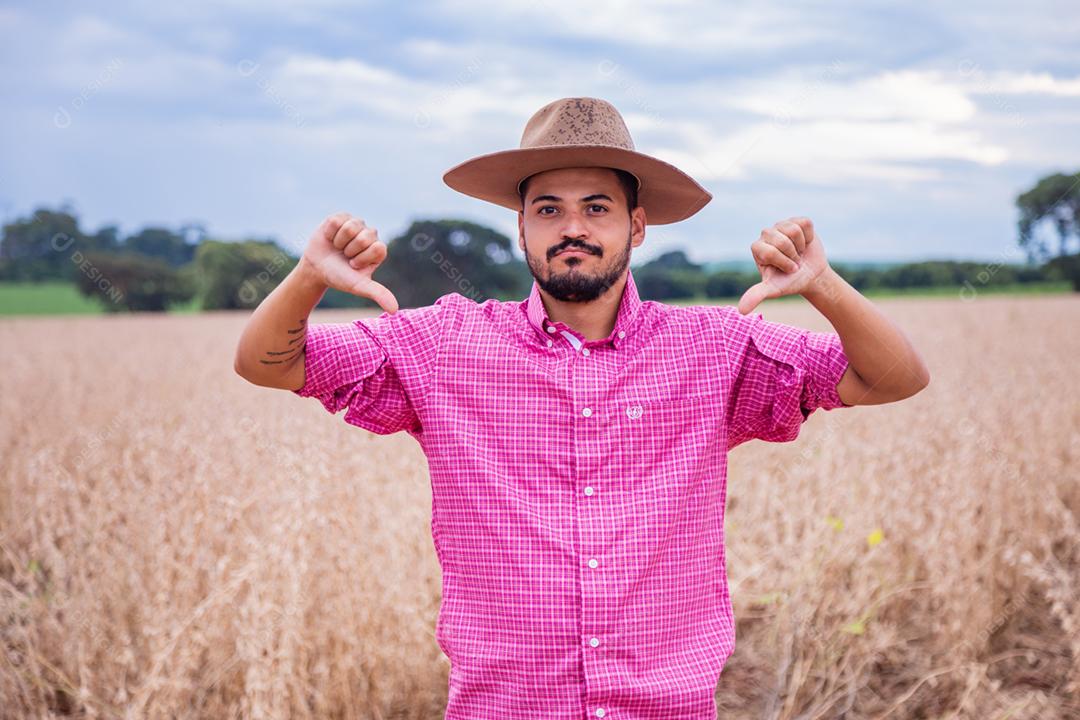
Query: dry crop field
175 542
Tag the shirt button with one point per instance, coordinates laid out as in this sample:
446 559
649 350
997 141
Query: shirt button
550 342
593 563
584 351
622 333
587 412
551 328
589 490
599 712
594 642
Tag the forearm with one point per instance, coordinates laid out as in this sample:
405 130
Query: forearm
270 351
878 351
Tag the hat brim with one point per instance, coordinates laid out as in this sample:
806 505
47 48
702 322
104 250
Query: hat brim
667 193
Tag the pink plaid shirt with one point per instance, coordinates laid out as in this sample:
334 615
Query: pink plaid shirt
578 487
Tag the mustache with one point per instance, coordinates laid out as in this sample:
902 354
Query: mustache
573 246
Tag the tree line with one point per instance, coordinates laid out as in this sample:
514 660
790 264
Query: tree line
158 268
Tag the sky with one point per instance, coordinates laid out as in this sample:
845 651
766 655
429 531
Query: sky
904 131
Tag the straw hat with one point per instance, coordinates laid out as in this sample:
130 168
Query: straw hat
579 132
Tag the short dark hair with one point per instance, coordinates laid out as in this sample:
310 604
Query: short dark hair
627 180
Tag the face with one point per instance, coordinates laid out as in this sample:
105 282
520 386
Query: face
582 211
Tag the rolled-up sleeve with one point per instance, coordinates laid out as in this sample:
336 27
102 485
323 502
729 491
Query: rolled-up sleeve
378 369
777 376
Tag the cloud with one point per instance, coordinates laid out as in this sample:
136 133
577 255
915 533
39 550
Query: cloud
683 25
827 129
831 152
478 100
912 95
1012 83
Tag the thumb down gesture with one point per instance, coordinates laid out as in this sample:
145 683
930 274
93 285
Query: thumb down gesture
789 256
344 252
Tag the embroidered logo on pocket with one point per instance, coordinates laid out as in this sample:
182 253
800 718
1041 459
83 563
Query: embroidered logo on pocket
634 411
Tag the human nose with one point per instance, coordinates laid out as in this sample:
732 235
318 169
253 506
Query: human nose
574 226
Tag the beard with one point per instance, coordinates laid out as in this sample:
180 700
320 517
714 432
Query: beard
575 284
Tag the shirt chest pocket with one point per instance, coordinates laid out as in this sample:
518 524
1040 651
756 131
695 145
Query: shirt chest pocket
665 434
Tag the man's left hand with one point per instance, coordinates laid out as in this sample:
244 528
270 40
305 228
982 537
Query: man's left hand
789 256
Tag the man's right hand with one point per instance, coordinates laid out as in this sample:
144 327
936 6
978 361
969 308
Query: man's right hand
342 253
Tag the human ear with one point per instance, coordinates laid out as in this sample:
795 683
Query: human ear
638 221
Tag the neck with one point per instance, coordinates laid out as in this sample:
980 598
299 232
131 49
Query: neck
593 320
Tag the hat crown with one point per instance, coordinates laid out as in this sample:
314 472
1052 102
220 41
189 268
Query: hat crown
577 121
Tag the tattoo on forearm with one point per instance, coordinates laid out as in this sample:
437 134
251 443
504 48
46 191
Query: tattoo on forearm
294 354
279 357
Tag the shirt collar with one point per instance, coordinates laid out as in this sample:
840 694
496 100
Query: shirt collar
627 314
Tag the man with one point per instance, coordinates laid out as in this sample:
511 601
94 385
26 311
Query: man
577 440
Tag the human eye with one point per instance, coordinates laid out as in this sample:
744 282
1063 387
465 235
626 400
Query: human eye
543 208
602 207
